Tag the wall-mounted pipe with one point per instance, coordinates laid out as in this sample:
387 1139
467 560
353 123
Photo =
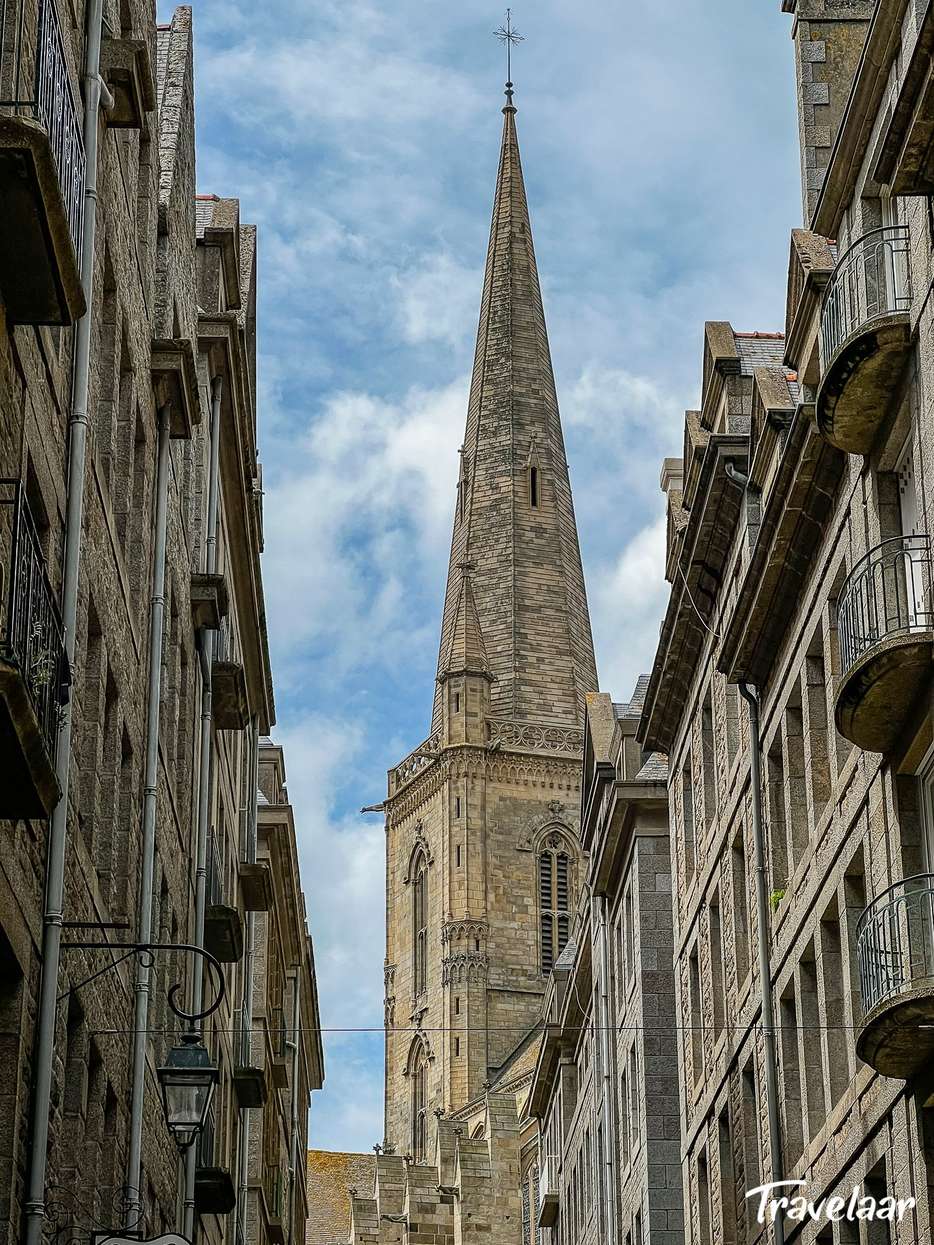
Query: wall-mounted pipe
765 974
132 1196
248 960
606 1027
204 761
294 1155
53 914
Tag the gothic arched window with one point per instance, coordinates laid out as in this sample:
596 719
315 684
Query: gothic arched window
420 924
418 1074
554 900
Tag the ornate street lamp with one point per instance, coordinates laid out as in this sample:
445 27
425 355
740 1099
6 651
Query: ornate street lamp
187 1081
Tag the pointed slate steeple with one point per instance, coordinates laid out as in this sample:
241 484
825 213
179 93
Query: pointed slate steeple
514 521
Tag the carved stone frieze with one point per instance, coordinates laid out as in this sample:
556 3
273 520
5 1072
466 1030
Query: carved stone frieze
534 737
455 931
463 966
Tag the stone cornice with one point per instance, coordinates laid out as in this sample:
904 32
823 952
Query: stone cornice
462 760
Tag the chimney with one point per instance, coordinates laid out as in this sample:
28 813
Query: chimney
829 37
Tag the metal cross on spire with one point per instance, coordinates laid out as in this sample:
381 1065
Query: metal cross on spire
508 34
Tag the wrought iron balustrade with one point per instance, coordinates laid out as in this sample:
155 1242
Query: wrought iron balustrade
207 1142
887 593
243 1039
872 278
214 886
32 636
895 941
52 103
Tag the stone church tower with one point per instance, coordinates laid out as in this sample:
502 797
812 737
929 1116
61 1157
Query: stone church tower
481 819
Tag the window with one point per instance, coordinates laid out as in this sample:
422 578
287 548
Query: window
793 1137
709 761
740 908
533 487
703 1199
697 1020
727 1178
635 1125
418 1072
629 923
554 876
750 1118
687 816
716 965
420 925
624 1117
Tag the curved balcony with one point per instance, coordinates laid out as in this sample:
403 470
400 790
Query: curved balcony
884 622
895 954
42 167
865 337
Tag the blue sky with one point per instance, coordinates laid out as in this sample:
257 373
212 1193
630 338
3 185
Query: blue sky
660 154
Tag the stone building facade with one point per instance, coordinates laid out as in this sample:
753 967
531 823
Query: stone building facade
135 682
791 688
483 858
605 1089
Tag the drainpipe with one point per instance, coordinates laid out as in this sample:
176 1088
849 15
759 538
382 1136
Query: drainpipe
77 449
204 765
132 1200
604 1022
293 1128
246 1014
765 977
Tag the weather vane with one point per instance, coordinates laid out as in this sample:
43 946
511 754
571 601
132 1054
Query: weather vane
508 34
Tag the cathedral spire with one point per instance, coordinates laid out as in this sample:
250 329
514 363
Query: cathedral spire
514 520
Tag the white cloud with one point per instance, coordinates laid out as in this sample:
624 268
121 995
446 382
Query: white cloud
358 518
438 300
627 601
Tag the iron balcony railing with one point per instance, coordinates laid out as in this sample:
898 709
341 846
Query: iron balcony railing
895 941
32 636
547 1179
214 884
872 278
887 593
52 102
243 1039
206 1141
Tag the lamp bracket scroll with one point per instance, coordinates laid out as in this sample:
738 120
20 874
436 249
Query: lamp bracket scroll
147 952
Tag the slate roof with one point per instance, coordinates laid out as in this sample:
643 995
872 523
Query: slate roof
526 574
759 350
655 768
330 1175
633 710
204 213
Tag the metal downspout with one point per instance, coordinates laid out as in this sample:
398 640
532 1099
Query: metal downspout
608 1179
247 1004
765 977
204 766
74 505
293 1126
132 1198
